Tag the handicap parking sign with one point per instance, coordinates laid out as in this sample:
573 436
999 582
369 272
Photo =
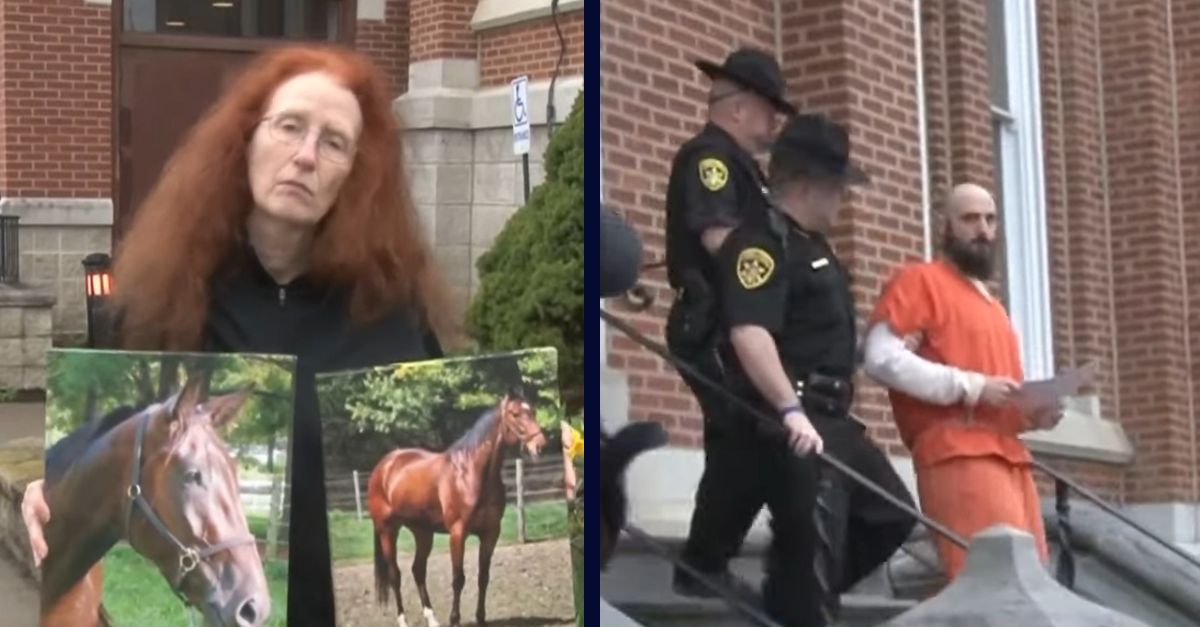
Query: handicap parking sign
520 115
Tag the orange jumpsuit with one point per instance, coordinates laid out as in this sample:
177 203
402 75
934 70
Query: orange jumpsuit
971 469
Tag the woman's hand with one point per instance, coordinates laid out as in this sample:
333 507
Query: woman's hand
36 514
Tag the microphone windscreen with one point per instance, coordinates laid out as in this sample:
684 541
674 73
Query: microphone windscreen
620 254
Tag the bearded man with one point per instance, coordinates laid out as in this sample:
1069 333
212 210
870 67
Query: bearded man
946 350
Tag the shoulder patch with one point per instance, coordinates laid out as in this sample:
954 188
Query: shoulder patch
713 173
754 267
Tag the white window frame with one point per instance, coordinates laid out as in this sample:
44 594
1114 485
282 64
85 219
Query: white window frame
1022 184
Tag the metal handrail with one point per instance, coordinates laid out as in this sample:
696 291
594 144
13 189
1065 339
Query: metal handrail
1097 500
759 415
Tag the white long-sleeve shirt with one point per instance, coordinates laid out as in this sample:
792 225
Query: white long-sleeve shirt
887 360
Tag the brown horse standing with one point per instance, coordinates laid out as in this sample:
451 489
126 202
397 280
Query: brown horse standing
163 480
459 491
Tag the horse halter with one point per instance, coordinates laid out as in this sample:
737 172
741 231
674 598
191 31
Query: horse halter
189 557
522 435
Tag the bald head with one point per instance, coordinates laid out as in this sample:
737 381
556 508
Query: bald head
970 233
969 197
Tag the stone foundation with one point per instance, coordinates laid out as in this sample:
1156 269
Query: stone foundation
26 329
465 179
55 235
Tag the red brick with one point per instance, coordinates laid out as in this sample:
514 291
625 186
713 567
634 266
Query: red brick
386 42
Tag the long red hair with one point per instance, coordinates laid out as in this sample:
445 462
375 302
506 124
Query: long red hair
192 221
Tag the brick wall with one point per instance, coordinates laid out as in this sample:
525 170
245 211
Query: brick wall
1146 242
57 109
3 100
439 29
856 62
386 42
967 90
1077 215
1186 18
531 48
651 99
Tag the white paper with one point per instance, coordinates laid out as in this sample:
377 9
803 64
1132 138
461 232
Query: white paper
1039 395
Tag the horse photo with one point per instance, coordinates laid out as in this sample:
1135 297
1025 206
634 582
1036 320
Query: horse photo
458 491
439 452
147 511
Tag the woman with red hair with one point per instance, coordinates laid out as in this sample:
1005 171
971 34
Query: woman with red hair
284 224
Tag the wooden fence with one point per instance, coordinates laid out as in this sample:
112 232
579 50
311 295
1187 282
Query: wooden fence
526 482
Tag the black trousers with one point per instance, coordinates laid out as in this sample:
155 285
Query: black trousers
744 471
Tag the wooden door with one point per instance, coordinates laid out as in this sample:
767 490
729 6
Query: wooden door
171 59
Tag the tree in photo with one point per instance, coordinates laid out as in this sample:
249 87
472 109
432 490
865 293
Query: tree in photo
428 404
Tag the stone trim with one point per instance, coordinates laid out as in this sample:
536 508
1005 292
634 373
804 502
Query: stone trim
371 10
1175 522
452 75
59 211
26 296
471 109
1083 434
491 14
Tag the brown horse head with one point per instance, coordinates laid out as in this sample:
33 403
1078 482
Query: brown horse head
519 425
196 531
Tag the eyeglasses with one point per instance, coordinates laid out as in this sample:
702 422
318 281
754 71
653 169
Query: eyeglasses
291 129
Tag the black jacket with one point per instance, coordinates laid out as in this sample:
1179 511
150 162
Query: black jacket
251 313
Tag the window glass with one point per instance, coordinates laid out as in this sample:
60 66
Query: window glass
280 19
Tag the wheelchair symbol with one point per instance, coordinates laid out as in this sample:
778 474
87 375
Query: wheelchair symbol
519 113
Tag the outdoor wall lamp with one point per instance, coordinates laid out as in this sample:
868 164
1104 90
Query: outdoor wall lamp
97 277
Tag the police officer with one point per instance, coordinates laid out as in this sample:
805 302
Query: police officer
790 350
715 182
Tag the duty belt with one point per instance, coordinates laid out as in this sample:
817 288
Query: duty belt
825 395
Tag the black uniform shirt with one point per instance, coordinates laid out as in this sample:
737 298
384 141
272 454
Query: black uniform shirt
801 296
713 183
251 313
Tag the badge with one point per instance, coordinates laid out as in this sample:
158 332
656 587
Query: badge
820 263
713 173
754 267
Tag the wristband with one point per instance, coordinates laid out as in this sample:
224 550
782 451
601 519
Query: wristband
789 409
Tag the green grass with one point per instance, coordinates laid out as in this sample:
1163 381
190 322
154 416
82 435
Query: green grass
136 594
353 539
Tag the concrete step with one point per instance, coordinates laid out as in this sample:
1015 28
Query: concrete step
612 617
639 584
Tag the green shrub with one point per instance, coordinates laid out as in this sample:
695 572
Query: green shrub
531 280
